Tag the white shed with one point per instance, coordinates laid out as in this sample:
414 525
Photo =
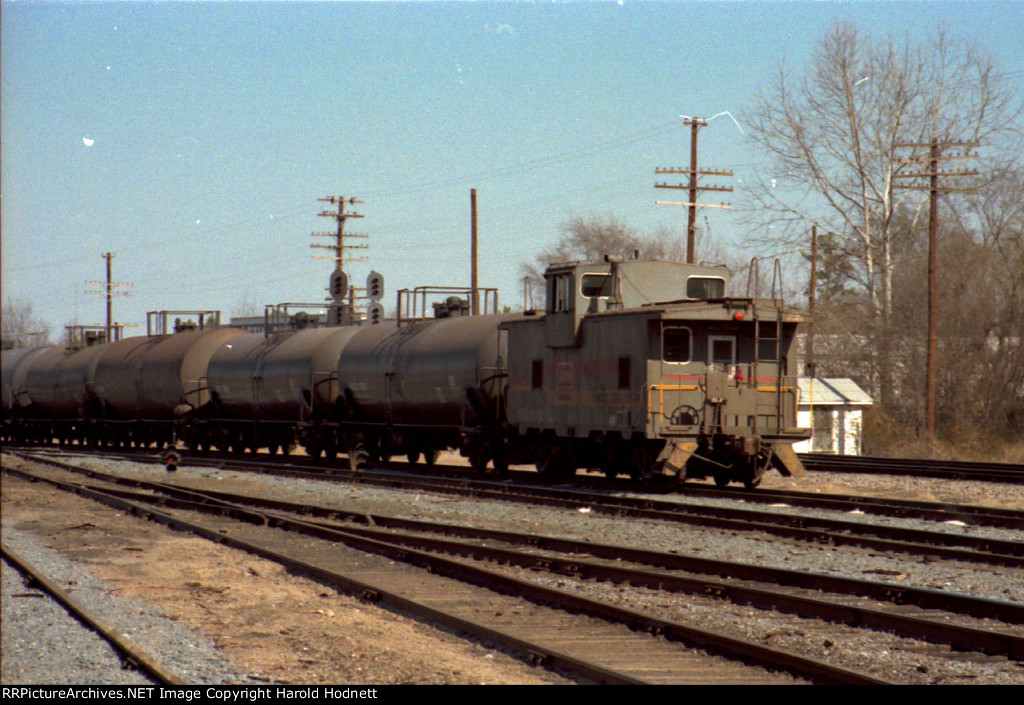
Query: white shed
833 408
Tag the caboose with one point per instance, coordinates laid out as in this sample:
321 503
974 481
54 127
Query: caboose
649 368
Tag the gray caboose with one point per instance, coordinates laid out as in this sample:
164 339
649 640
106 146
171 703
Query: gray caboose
648 368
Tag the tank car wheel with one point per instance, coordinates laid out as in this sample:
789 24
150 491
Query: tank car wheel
330 450
500 463
478 457
551 462
414 457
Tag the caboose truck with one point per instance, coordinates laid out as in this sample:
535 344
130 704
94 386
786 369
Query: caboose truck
647 367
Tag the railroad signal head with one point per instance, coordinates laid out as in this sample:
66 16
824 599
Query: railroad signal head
375 286
339 315
375 313
339 285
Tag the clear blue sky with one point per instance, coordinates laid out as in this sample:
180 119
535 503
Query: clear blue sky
214 127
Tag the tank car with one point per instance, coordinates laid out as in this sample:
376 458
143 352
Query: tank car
137 390
414 387
273 390
16 401
146 387
60 386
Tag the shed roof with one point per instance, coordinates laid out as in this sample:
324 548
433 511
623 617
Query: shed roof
831 390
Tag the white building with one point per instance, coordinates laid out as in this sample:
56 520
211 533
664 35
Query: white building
833 408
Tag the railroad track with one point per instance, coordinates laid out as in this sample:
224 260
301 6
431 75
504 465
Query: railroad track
945 469
800 593
597 640
561 557
799 527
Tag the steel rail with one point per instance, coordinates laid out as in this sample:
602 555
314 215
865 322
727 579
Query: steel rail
1012 519
946 469
130 653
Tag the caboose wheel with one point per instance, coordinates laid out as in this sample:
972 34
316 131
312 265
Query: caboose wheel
755 474
644 465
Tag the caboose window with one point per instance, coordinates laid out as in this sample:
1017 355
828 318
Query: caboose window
560 295
676 345
625 369
596 285
705 288
537 374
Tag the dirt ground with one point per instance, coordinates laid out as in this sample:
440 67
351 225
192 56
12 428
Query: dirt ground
269 623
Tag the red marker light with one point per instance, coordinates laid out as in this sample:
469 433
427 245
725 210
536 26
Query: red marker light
737 316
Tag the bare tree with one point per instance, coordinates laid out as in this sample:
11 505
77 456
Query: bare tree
831 135
246 308
21 328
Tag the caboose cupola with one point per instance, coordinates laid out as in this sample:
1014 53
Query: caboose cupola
576 290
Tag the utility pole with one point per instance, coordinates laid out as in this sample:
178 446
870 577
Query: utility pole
811 367
342 296
933 174
692 205
474 284
109 289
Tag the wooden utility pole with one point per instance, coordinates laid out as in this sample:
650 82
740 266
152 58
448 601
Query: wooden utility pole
692 205
342 295
474 283
810 301
935 148
109 289
339 235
